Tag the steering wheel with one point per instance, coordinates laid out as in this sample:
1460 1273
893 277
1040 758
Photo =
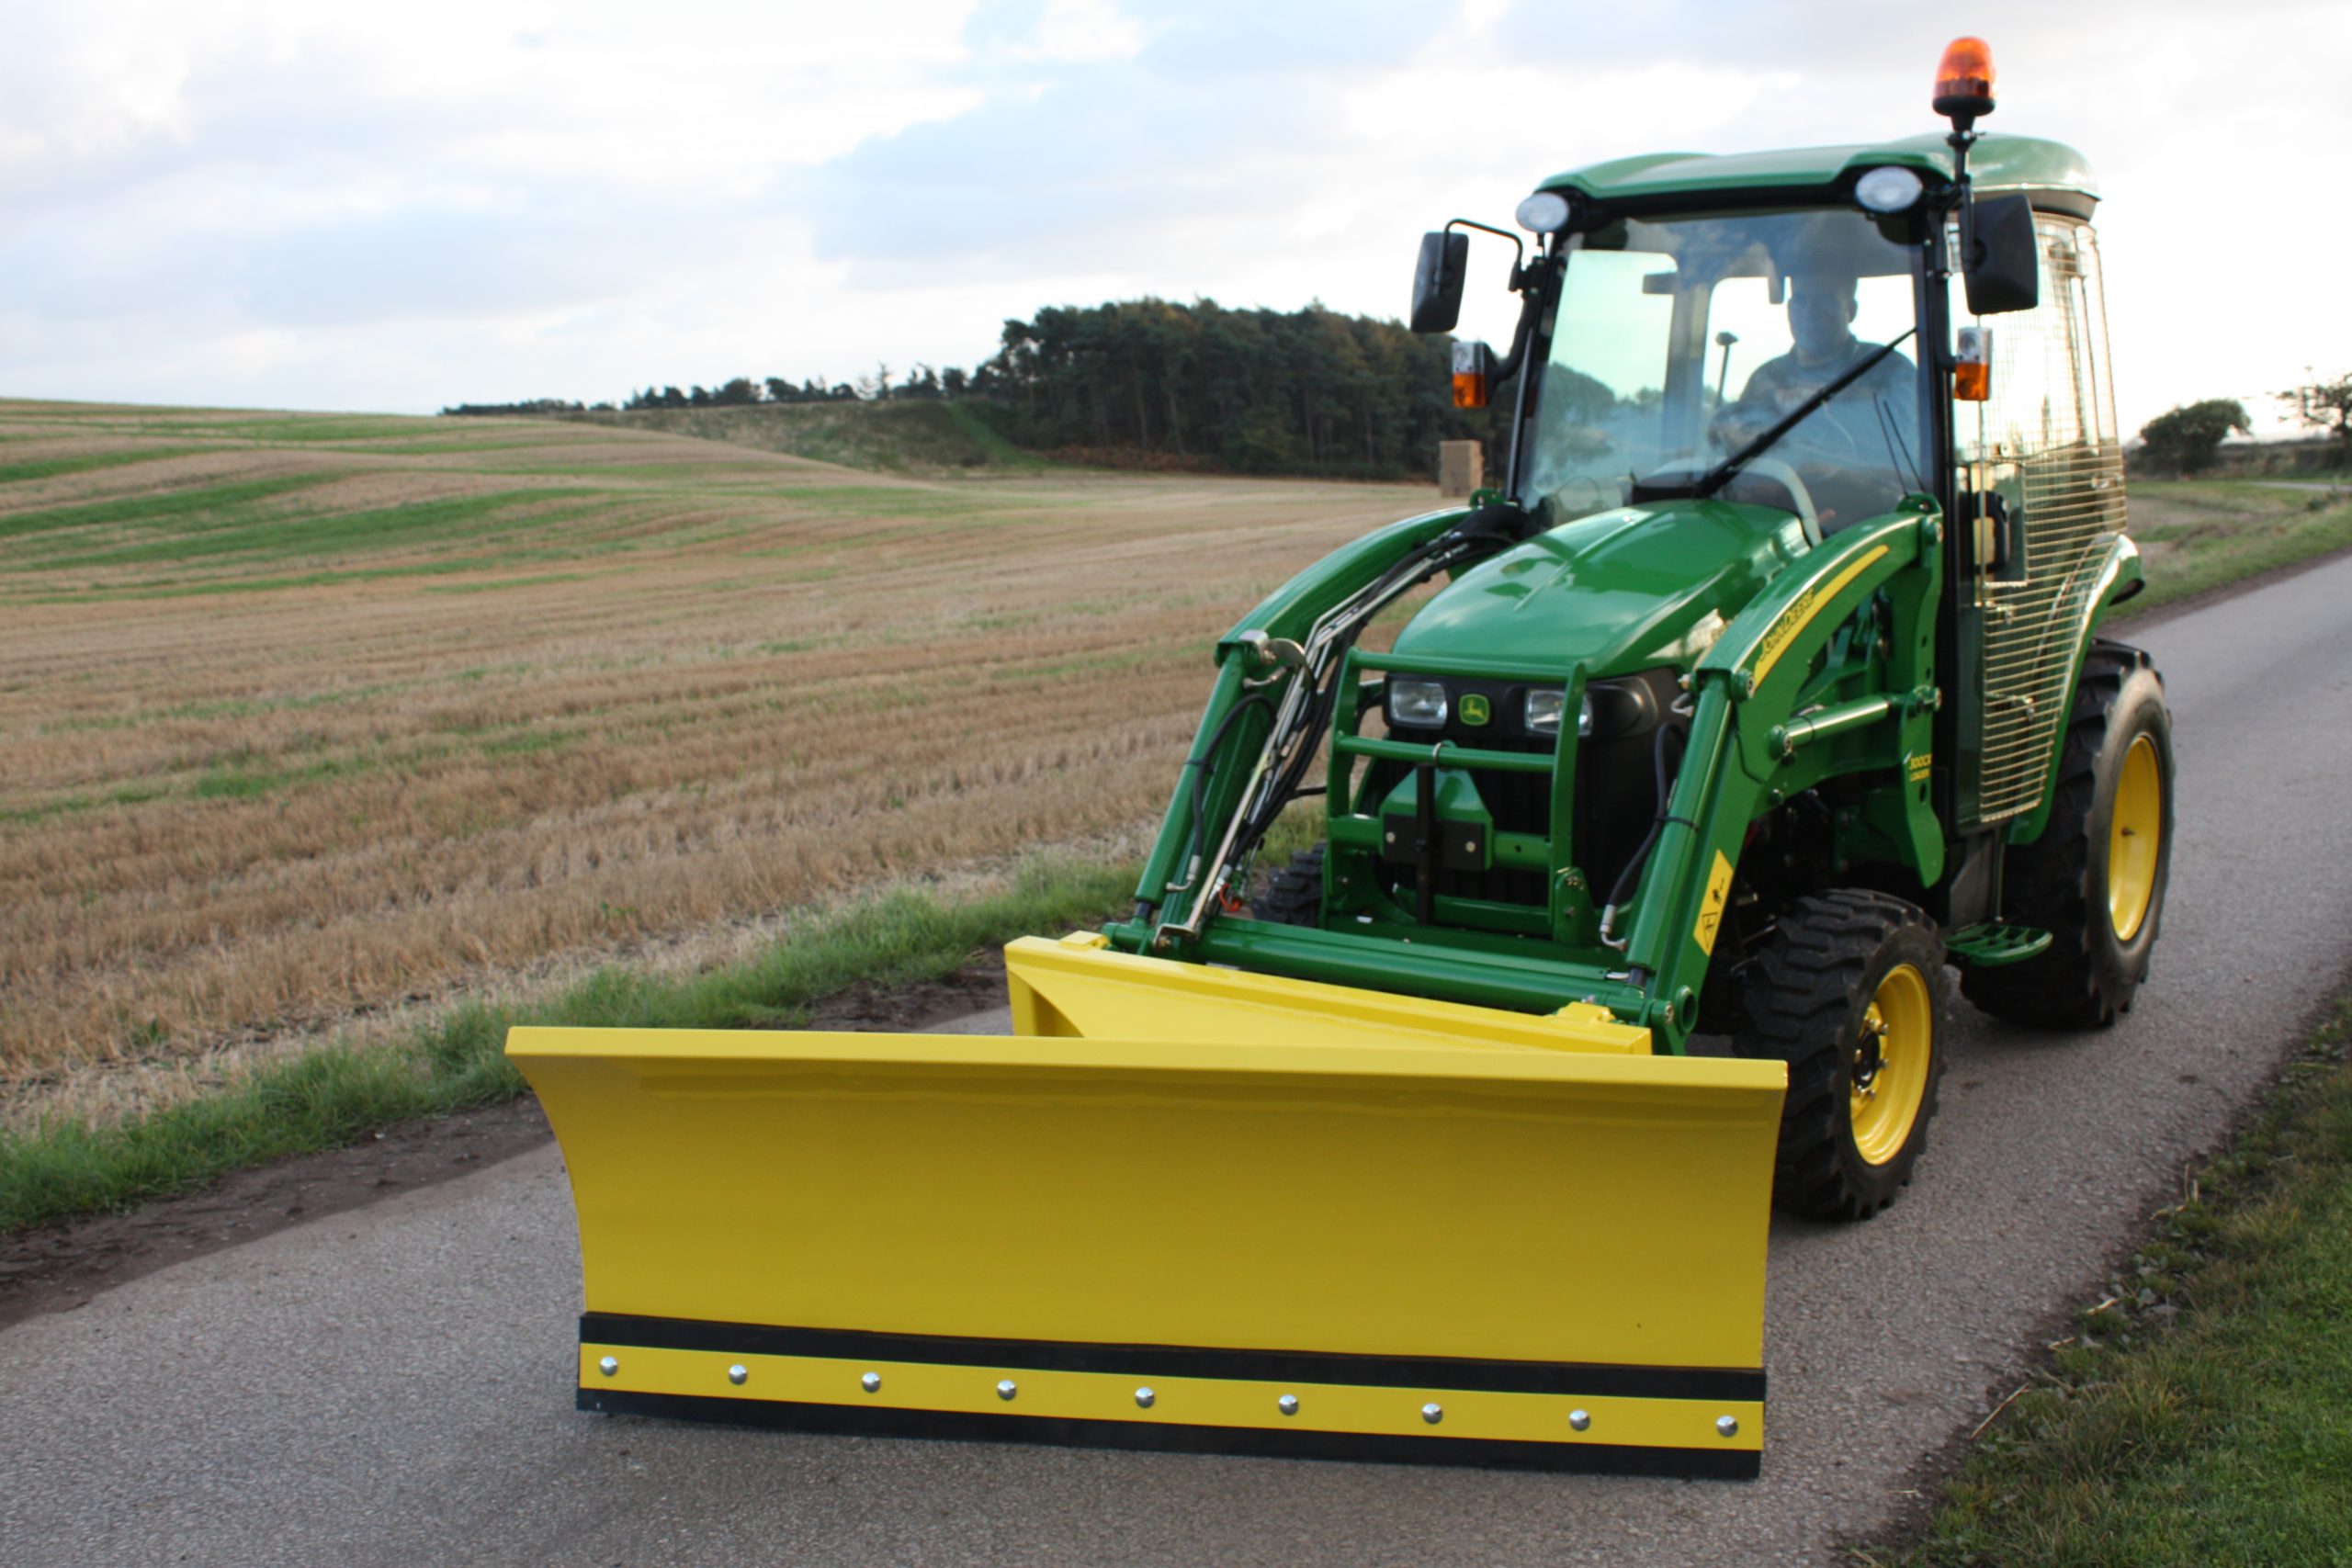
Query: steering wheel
1785 476
1829 433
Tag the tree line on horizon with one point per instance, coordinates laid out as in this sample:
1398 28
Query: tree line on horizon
2187 439
1256 391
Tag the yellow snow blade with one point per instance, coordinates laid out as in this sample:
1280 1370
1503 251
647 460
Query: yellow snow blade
1079 987
1259 1215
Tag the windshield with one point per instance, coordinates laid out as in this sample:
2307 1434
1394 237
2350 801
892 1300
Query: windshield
1674 344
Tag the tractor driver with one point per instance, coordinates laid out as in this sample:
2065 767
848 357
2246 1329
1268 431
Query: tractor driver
1847 450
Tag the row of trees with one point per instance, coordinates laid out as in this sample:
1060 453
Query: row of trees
2324 405
1306 390
922 381
541 407
740 392
1266 392
1270 392
2188 439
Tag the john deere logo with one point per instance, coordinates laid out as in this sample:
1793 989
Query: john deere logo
1476 708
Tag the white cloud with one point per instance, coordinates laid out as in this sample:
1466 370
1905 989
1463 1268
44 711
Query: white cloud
267 201
1083 30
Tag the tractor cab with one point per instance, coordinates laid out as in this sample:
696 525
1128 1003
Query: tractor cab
1725 365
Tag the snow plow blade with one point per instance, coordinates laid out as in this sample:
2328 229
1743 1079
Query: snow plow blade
1184 1208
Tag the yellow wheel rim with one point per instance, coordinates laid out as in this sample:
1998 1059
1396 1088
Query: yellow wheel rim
1892 1055
2134 838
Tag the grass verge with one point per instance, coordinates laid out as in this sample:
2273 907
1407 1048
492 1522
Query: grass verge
2203 534
2202 1414
340 1091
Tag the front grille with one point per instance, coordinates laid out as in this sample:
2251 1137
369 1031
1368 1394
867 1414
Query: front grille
1616 794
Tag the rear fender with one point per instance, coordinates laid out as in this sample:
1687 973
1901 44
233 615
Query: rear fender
2111 577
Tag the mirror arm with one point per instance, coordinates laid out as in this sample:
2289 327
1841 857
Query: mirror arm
1519 251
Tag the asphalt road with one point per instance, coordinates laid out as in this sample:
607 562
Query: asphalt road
394 1385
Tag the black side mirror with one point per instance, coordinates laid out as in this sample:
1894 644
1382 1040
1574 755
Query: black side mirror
2004 274
1437 281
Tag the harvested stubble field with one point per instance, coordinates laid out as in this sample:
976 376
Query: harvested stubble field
306 715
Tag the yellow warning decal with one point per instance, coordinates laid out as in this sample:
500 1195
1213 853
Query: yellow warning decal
1920 766
1711 907
1800 614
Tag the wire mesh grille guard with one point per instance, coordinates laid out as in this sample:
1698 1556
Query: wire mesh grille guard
2047 440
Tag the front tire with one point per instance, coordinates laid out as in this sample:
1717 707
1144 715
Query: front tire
1294 896
2095 879
1848 991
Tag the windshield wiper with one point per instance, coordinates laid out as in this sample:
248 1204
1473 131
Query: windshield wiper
1714 478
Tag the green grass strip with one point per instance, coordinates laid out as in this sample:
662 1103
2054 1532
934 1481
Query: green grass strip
340 1091
2204 1415
339 534
2275 529
86 462
187 504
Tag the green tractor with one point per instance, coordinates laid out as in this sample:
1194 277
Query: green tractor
1769 680
1767 684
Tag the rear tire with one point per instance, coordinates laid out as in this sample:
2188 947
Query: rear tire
1294 896
1850 991
2095 879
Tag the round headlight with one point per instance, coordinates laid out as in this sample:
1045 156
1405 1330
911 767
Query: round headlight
1890 189
1546 212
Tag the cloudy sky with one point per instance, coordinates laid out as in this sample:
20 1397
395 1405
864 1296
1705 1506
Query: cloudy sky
286 204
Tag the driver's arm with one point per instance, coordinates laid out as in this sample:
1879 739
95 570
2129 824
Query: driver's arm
1737 424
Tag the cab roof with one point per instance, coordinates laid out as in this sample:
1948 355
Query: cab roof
1669 179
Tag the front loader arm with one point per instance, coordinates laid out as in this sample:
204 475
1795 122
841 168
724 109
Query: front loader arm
1289 611
1756 716
1231 743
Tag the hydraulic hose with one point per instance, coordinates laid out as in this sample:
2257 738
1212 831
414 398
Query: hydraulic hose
1630 877
1204 765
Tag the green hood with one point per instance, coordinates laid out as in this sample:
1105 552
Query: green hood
1618 591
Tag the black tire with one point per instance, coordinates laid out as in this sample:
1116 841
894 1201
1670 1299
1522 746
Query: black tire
1840 974
1294 896
2062 882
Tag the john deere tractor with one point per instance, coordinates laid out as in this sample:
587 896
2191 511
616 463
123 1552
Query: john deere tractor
1767 684
1769 681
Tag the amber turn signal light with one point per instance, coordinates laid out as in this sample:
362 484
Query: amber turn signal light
1972 368
1474 367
